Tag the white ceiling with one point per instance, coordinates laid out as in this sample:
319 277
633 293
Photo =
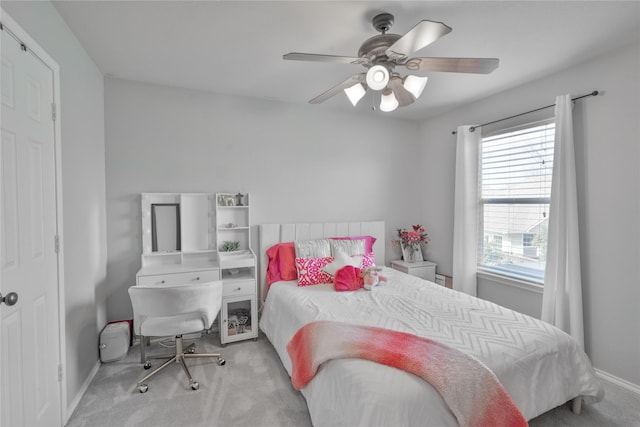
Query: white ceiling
236 47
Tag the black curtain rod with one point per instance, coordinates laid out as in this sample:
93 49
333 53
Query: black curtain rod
473 128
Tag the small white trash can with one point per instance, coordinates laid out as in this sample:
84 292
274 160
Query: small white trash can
114 342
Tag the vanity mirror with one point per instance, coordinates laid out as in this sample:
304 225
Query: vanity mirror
165 227
178 228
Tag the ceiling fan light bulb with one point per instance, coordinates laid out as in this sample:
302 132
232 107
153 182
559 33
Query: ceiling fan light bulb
415 85
355 93
388 101
377 77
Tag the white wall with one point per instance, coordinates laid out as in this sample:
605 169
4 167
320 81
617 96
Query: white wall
299 163
306 164
83 185
607 137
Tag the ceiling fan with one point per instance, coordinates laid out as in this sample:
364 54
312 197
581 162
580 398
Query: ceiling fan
383 52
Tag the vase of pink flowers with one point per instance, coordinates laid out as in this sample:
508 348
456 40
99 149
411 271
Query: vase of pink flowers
411 242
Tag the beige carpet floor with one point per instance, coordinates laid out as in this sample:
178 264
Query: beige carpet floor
253 389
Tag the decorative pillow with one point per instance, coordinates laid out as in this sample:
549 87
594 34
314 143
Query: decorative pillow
342 259
312 248
350 247
368 241
282 264
348 279
310 271
368 260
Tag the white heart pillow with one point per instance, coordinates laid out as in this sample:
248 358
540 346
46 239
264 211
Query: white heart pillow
341 259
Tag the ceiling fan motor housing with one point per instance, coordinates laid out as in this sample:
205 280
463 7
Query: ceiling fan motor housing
374 49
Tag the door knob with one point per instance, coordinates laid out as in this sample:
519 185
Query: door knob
10 299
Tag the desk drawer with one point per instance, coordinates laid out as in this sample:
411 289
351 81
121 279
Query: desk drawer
180 278
238 287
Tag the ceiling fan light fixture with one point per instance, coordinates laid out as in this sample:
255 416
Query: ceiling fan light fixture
388 101
355 93
415 85
377 77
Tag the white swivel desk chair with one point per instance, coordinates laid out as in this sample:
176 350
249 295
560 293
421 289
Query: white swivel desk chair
174 311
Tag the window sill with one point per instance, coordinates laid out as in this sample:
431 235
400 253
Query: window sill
510 281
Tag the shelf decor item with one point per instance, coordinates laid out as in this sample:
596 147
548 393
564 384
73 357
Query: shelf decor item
229 246
411 242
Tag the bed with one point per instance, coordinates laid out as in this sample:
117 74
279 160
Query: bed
538 365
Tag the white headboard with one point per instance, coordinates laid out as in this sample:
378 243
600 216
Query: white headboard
270 234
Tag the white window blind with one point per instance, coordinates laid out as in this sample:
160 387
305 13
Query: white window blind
515 188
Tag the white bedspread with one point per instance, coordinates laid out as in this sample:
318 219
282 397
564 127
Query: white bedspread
540 366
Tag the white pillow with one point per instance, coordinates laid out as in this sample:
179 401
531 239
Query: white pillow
319 248
341 259
350 247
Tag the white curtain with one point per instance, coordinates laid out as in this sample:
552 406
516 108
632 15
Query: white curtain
562 296
465 222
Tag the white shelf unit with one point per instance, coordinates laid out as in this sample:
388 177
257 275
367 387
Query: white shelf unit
239 313
232 220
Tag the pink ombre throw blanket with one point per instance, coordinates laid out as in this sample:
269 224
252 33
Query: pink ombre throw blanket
472 391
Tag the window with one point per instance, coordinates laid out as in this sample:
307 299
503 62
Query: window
515 189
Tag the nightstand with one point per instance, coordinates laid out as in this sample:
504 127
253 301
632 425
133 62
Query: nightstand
423 269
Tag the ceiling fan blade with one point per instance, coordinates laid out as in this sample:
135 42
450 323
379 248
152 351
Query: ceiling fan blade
402 95
297 56
423 34
355 79
453 65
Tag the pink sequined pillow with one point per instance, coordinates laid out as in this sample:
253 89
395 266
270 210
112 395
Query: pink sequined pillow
310 271
368 260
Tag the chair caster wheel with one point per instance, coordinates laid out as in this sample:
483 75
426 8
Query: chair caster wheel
147 365
142 388
221 361
192 350
195 385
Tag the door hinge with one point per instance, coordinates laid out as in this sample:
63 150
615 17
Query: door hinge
57 243
53 111
60 373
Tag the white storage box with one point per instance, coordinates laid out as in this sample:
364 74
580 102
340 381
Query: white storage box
114 342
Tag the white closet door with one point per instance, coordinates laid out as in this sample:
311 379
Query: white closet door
29 330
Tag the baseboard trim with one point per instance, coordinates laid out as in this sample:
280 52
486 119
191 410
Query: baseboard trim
74 404
634 388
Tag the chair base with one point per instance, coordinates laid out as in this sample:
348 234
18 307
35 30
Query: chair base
179 357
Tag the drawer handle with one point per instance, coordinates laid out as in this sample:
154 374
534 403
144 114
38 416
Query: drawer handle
197 278
162 281
238 289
